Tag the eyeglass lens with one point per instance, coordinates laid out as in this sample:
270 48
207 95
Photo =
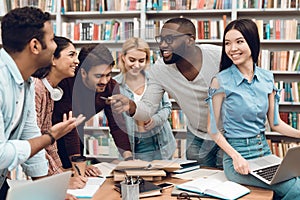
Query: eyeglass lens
183 195
168 38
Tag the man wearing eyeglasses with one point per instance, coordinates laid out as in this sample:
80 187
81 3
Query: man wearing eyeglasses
184 71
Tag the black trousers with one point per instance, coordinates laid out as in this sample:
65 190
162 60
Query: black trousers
3 190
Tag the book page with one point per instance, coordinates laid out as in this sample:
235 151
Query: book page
215 187
133 164
220 175
199 185
195 174
106 168
90 188
227 190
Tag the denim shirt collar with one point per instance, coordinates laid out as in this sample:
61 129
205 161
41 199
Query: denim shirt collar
120 78
238 76
13 68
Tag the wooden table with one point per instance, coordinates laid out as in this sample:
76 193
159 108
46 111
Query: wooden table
106 192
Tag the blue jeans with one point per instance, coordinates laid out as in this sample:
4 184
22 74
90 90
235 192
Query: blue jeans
3 190
206 152
147 148
251 148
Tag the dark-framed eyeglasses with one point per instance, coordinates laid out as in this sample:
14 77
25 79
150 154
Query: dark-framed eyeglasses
183 195
169 38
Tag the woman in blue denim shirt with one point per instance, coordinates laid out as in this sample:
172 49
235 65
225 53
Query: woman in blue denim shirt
243 96
153 139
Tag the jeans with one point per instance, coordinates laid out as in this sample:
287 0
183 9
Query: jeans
3 190
251 148
206 152
147 148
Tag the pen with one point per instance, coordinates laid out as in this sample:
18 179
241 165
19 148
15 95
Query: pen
105 98
78 170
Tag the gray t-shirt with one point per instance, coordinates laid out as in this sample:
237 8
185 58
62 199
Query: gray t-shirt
190 95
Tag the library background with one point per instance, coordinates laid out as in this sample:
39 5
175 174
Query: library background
111 22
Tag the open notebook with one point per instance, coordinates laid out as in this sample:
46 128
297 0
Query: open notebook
48 188
272 169
215 185
89 189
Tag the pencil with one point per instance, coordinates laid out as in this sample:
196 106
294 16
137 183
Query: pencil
78 170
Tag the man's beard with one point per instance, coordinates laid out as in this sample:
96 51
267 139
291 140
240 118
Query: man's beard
177 55
174 59
42 72
100 88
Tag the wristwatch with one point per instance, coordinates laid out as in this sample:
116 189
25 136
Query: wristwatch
128 158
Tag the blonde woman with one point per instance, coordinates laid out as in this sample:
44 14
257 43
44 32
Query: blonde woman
152 139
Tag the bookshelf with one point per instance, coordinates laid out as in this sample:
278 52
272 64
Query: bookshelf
98 143
147 16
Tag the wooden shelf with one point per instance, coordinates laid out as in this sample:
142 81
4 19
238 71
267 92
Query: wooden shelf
179 133
277 137
286 76
289 107
103 15
97 128
98 158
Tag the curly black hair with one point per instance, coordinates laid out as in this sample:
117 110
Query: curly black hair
62 43
20 25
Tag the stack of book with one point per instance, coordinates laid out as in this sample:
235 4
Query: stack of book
150 171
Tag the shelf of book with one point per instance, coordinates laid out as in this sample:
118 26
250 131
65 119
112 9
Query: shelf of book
99 144
103 15
188 13
250 4
268 12
279 144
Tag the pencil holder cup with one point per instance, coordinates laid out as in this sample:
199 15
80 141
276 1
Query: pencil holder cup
78 165
130 191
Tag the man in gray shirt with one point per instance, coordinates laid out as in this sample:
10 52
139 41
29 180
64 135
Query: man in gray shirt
184 71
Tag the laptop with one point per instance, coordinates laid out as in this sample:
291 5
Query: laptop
48 188
272 169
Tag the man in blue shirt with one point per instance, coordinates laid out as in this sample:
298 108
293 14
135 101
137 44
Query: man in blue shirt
21 141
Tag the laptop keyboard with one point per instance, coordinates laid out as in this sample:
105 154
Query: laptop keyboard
268 172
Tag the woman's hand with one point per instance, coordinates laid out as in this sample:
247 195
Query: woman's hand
92 171
241 165
150 124
69 122
70 197
77 182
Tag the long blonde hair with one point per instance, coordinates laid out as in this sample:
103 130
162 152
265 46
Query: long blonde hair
134 43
